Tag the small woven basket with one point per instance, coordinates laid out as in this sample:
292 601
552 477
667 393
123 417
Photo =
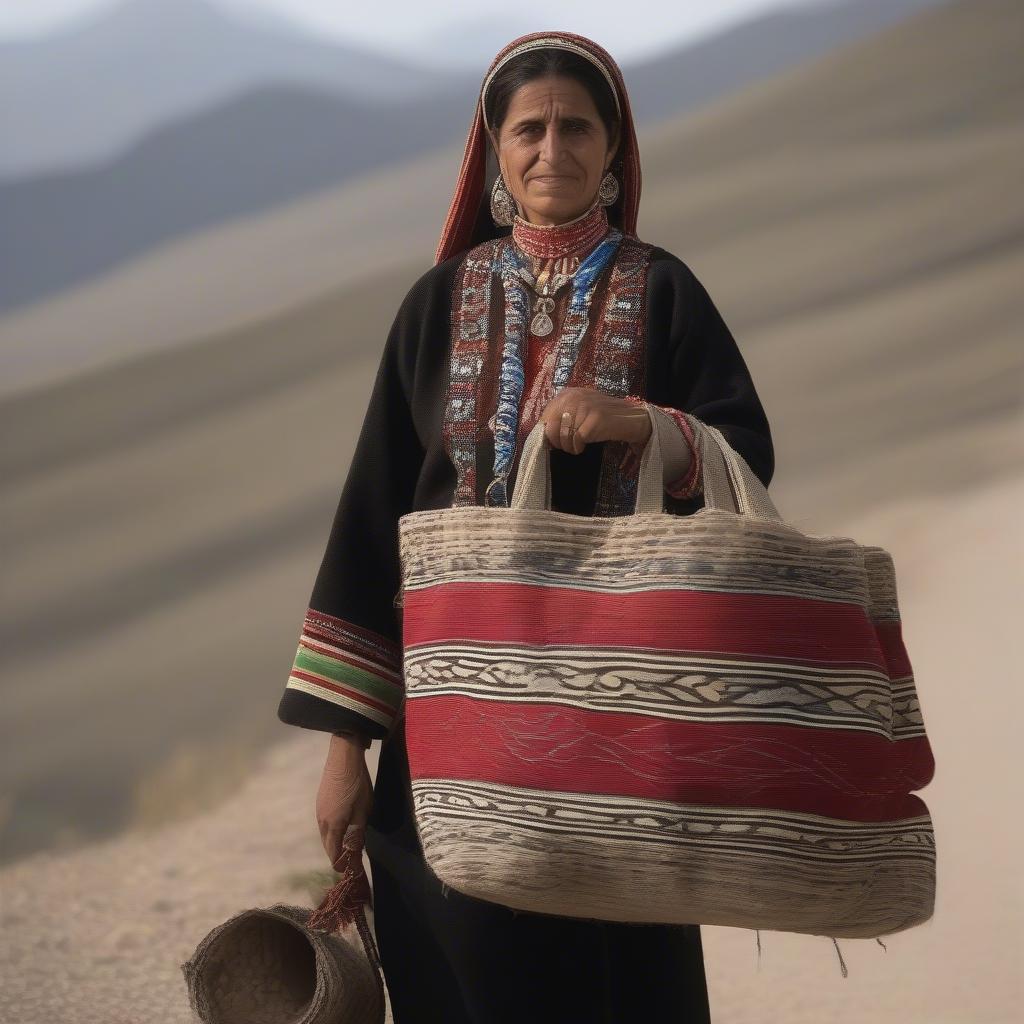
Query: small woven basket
290 965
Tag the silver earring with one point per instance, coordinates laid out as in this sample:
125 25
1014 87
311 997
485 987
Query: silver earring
503 208
608 191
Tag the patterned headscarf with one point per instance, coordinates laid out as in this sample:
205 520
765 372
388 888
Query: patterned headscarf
470 194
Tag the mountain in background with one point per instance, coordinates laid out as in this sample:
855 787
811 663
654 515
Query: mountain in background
82 95
278 142
756 49
262 149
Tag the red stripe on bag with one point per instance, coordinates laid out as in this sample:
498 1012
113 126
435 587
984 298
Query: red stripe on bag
768 625
831 772
890 636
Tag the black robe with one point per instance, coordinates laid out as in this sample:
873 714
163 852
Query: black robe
447 956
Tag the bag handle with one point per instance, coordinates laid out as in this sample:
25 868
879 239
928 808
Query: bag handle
728 482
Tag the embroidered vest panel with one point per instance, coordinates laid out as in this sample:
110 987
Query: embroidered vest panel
612 358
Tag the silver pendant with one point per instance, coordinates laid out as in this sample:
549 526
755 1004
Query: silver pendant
542 325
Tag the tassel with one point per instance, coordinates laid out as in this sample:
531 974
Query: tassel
882 944
343 900
758 934
842 962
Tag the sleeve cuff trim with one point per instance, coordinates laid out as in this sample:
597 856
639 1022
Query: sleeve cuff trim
366 643
334 694
341 663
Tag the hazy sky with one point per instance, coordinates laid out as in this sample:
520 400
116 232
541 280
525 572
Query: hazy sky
628 30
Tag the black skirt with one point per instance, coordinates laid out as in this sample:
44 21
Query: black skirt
454 959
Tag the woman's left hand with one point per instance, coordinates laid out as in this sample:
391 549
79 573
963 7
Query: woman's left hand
577 416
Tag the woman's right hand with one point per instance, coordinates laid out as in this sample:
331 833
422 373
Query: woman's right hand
345 798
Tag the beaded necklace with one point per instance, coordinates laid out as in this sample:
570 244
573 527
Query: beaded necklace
510 261
551 245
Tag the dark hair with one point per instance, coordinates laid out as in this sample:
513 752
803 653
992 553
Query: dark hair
527 67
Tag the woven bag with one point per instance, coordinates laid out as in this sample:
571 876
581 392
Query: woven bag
700 719
289 965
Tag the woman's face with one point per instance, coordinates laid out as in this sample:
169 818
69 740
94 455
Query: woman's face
553 149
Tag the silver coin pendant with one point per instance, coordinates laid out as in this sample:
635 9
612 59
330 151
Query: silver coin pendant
542 325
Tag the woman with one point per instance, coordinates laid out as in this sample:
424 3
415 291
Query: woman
571 319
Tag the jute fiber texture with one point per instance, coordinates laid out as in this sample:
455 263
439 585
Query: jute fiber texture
705 719
267 966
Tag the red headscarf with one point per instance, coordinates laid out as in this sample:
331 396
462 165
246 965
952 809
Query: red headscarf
465 205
